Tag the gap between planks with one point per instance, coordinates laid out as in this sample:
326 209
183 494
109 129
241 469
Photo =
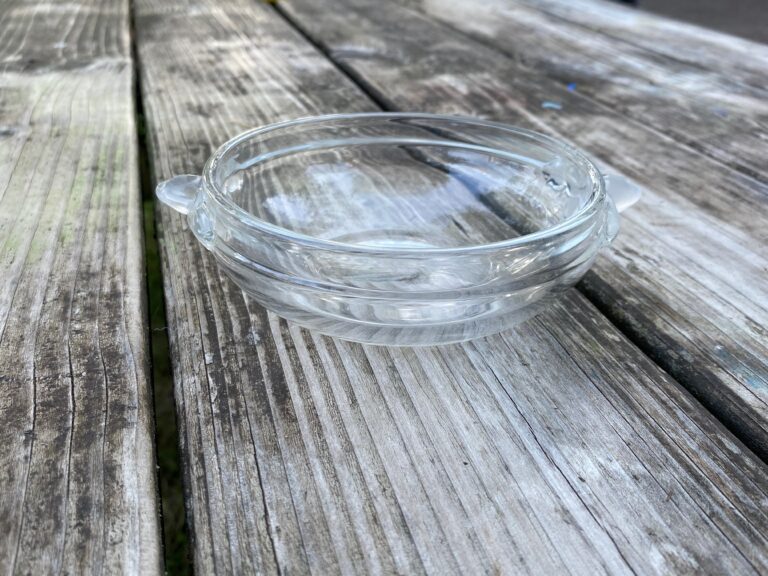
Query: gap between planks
174 527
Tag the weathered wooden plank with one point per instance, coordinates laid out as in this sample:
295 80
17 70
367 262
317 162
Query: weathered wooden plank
700 107
686 277
553 447
737 58
77 487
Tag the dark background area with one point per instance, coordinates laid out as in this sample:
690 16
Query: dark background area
746 18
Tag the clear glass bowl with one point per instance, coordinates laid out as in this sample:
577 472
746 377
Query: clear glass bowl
400 229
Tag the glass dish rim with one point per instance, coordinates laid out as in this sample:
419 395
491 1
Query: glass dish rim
596 200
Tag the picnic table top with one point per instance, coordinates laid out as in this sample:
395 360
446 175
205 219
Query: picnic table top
623 431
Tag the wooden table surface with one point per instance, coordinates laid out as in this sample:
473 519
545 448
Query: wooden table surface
623 431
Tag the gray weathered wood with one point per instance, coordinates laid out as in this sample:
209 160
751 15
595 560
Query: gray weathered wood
554 447
77 467
736 58
686 277
703 108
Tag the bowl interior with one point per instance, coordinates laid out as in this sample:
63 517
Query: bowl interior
404 181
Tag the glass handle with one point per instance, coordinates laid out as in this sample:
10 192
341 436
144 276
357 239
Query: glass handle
623 191
185 195
180 192
612 222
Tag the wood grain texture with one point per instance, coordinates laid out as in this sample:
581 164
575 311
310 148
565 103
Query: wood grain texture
77 467
686 277
741 60
556 447
705 109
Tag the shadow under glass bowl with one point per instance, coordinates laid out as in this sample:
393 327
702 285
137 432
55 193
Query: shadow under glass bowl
400 229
